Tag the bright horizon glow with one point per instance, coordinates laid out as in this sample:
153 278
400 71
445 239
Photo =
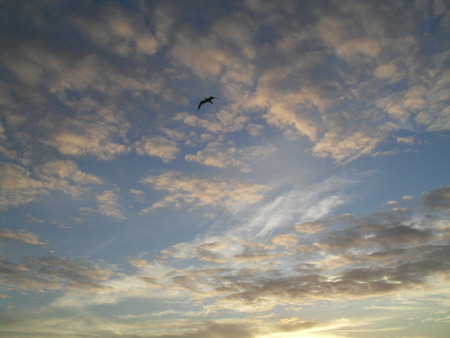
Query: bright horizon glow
312 199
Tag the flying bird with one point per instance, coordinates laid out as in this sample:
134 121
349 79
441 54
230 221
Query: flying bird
206 99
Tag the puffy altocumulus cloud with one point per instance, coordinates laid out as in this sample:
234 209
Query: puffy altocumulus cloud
217 154
158 146
65 169
99 129
199 192
94 140
122 32
17 186
227 50
108 205
331 73
74 99
318 95
21 236
20 185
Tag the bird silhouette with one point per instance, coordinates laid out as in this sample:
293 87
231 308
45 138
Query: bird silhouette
206 99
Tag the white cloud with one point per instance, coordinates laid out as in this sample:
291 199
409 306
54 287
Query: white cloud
85 138
200 192
158 146
68 170
17 187
347 148
406 140
297 205
108 205
226 48
208 123
216 154
20 186
21 236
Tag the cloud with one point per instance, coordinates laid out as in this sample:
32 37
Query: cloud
4 144
199 192
211 252
208 123
68 170
108 205
406 140
218 155
83 138
356 283
17 186
51 273
120 31
351 256
214 155
284 101
299 204
352 38
310 227
138 263
302 94
367 235
348 256
158 146
20 186
346 149
216 330
21 236
346 78
233 62
438 199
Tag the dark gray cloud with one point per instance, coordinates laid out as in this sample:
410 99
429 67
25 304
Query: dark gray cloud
438 199
362 282
373 235
52 273
290 327
215 330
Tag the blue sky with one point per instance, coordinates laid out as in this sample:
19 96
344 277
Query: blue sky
311 199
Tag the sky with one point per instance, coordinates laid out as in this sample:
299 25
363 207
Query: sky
311 199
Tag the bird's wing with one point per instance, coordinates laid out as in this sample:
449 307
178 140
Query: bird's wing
200 104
